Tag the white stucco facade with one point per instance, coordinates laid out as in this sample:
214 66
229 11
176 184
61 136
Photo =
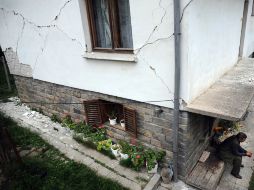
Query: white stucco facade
52 37
56 53
214 30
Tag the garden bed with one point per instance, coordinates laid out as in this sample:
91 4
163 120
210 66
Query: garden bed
132 156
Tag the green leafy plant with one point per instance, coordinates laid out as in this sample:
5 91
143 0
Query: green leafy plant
151 160
115 147
126 163
125 147
138 160
98 135
83 128
67 120
152 157
112 114
135 154
105 145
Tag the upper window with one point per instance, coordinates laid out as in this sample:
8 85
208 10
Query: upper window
110 25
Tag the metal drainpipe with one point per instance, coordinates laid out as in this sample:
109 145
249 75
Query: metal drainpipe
177 85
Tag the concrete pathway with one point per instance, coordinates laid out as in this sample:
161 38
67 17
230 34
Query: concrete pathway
61 138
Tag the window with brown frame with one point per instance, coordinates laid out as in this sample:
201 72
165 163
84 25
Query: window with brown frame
110 25
97 114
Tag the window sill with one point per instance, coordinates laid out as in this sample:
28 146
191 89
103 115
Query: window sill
111 56
117 126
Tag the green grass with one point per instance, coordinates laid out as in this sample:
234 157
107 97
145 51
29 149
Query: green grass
251 186
50 170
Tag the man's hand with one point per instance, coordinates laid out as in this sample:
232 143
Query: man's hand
249 154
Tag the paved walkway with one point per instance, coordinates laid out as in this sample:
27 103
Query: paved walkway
61 138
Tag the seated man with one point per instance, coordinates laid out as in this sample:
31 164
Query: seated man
231 151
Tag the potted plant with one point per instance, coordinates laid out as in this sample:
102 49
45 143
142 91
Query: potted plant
115 149
105 145
124 149
122 123
112 118
138 160
152 158
151 162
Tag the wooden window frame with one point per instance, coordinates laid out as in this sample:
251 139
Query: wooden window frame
114 28
97 118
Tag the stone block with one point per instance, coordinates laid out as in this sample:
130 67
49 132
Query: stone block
152 127
156 143
169 154
166 146
148 118
77 111
153 183
118 136
77 93
144 139
110 133
161 122
145 132
159 136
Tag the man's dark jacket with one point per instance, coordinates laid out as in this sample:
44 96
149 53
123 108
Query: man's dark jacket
231 147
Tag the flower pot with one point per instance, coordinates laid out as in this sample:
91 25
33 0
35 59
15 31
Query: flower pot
154 170
115 152
122 123
112 121
124 156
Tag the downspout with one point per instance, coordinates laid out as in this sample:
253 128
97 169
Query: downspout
177 85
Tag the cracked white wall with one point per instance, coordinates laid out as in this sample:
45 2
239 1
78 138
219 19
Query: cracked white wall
213 34
49 37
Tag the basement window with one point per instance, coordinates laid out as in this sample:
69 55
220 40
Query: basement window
110 25
98 112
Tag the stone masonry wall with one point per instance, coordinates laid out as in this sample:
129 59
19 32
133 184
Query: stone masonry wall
154 130
193 137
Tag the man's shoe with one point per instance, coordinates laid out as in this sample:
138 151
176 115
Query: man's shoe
236 175
242 166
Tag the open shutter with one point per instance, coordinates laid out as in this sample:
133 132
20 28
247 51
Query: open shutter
130 121
93 112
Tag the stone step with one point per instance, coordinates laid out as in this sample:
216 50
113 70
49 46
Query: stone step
153 183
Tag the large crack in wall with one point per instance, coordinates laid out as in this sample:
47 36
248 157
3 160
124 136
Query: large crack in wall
53 24
26 21
148 43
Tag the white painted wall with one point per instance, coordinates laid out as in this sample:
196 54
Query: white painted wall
214 29
54 48
249 35
55 53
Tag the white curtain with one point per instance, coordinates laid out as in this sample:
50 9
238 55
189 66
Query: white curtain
101 17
